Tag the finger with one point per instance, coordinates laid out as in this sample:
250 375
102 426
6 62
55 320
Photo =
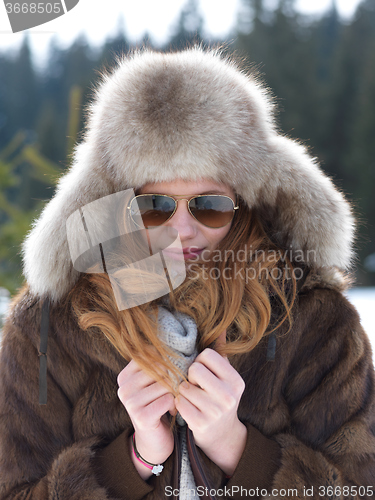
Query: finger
131 368
155 410
217 377
199 376
135 375
217 364
211 404
133 397
197 396
188 411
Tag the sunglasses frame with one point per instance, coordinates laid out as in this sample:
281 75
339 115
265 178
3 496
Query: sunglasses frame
176 199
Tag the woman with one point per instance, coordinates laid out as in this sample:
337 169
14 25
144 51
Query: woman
189 272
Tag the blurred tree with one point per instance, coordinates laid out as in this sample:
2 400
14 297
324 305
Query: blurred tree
327 33
75 104
5 65
21 160
322 72
19 93
189 28
114 46
358 157
49 130
282 48
14 219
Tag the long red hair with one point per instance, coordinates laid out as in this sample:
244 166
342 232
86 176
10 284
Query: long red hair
226 293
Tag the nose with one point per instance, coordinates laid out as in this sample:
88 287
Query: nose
183 222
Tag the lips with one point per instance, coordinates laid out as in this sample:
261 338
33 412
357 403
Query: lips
192 253
192 250
188 252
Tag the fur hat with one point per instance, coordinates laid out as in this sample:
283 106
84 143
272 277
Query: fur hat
189 115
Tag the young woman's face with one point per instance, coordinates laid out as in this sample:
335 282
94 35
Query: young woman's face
197 240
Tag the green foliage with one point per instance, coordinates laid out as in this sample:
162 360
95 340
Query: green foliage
20 156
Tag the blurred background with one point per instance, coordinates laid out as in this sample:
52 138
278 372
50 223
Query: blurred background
319 60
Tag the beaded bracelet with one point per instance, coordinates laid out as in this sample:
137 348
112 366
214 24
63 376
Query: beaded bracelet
155 468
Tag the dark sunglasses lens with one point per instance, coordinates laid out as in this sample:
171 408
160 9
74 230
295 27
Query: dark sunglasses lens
212 211
151 209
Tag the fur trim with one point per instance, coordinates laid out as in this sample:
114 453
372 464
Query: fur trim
190 115
71 475
305 464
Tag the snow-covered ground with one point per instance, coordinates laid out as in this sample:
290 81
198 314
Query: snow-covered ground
362 298
4 301
364 301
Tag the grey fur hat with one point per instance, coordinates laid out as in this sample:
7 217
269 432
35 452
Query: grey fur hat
189 115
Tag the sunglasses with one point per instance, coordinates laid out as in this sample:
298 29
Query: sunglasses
153 210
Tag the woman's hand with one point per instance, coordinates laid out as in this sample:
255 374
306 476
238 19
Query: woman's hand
146 402
208 403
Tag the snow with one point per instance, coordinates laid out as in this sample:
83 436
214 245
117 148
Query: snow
364 301
4 302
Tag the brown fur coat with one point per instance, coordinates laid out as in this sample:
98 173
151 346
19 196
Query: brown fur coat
310 413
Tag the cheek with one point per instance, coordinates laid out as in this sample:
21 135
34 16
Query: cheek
159 238
219 234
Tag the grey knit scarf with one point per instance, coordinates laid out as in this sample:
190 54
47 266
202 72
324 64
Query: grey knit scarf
179 332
